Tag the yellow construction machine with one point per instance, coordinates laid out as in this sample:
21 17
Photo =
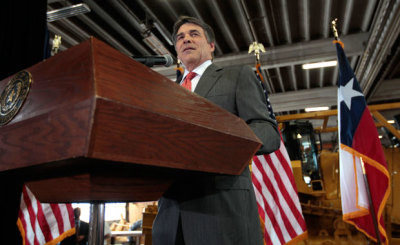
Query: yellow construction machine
316 172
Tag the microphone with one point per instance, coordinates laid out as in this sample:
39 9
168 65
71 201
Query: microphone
149 61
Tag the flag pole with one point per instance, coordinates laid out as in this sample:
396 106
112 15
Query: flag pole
257 48
371 205
335 32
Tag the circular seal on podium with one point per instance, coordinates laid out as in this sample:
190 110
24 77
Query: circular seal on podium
14 95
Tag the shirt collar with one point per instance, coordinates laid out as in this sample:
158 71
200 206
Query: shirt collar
200 69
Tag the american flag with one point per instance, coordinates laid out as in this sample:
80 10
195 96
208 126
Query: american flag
276 193
359 142
43 223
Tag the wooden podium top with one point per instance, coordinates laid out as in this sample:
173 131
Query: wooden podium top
94 114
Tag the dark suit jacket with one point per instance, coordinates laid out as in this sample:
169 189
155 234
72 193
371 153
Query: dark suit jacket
214 208
83 230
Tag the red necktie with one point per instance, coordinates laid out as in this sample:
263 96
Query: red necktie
187 83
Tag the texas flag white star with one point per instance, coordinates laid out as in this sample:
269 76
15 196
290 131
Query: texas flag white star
346 93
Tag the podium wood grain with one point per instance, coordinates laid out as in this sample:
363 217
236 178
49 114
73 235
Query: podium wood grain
94 116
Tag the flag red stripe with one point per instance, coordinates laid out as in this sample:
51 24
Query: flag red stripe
295 203
48 222
44 226
283 185
268 210
287 167
368 145
57 213
71 215
276 202
23 222
267 205
262 213
31 212
282 190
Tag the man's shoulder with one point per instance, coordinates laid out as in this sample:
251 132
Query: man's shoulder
237 67
229 72
84 224
229 68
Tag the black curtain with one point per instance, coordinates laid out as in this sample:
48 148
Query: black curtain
22 44
23 31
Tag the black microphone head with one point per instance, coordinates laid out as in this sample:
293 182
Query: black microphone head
150 61
168 60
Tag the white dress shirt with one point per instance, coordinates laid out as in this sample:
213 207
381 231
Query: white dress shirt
199 71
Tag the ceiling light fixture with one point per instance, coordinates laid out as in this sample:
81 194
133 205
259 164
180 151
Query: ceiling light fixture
66 12
390 121
155 44
319 64
321 108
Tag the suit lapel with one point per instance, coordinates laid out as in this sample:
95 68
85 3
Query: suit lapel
208 79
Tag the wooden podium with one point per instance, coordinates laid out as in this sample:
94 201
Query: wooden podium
99 126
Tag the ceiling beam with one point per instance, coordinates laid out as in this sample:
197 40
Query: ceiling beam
386 90
327 96
223 25
242 21
119 29
83 35
193 11
384 32
159 25
100 32
300 99
286 55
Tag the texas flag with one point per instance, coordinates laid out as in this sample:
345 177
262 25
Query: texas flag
359 141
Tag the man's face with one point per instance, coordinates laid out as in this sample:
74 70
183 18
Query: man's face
192 46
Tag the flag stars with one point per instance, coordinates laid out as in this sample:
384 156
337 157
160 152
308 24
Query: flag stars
346 93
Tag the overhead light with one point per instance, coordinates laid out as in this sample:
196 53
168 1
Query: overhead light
66 12
319 64
155 44
390 121
321 108
380 136
298 136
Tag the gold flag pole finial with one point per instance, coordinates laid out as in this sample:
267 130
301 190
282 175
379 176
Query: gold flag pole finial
256 48
56 44
335 32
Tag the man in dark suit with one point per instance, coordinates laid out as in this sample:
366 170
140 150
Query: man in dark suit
215 209
81 231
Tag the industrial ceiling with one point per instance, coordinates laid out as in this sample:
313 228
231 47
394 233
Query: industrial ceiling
293 33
